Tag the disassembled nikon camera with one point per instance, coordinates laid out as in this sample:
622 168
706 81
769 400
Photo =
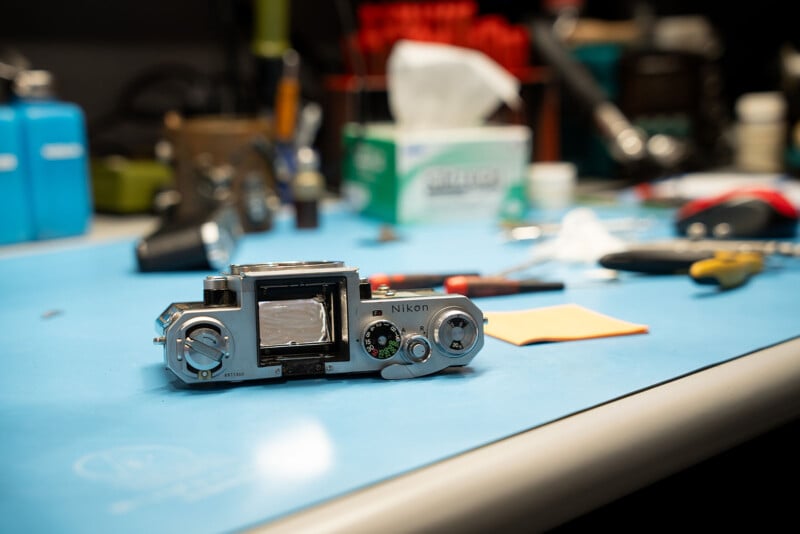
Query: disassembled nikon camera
314 318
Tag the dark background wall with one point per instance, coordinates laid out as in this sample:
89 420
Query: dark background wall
96 46
102 53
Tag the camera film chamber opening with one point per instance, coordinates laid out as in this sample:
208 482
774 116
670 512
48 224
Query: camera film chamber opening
302 320
293 322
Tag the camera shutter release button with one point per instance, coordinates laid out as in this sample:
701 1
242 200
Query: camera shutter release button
418 349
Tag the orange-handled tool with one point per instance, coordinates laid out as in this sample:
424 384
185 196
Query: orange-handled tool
287 97
412 281
493 286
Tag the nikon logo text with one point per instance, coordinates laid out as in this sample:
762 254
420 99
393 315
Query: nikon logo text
405 308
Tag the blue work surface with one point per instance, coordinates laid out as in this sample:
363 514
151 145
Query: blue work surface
98 437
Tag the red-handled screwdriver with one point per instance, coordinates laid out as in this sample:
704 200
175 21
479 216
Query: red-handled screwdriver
492 286
412 281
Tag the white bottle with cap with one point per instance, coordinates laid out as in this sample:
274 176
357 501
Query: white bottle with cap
760 132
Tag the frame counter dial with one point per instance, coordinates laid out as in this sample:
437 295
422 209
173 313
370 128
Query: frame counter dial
455 332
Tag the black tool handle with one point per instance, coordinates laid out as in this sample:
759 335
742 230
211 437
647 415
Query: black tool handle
654 261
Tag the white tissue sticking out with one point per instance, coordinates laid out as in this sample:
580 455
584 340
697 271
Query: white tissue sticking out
443 86
582 239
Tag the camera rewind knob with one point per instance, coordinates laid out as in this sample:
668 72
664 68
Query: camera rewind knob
203 349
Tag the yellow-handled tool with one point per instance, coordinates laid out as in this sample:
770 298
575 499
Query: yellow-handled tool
727 269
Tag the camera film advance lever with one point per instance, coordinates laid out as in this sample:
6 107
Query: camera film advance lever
314 318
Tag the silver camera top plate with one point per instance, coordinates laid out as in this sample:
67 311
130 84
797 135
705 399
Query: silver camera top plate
284 319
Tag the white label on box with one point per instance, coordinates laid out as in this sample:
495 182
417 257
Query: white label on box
457 180
445 191
452 181
53 151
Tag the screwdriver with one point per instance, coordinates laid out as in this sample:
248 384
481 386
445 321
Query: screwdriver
726 268
491 286
654 261
412 281
766 247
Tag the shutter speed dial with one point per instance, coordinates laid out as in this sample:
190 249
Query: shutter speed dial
382 340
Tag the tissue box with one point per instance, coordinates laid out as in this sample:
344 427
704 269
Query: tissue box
411 176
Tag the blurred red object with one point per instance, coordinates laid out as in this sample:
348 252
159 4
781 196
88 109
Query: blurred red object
454 22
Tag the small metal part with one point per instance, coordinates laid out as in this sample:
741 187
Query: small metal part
383 290
770 247
696 230
627 142
668 151
215 283
216 292
387 234
722 230
283 266
308 124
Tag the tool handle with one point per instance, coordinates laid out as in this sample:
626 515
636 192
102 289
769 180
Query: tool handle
287 98
654 261
492 286
727 269
412 281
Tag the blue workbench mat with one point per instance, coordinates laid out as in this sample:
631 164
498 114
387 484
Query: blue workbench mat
98 437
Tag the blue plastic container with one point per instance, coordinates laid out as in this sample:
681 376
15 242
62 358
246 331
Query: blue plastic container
55 154
15 212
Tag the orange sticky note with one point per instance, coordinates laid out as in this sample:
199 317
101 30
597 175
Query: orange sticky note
566 322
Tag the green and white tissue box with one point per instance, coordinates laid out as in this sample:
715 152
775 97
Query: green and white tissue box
415 176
